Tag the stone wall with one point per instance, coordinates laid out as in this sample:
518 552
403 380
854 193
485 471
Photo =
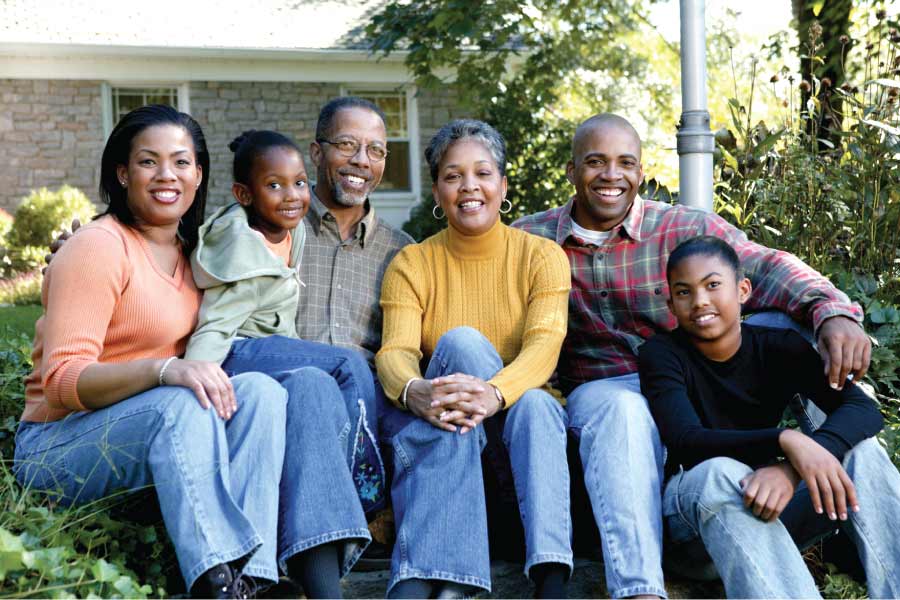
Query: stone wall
51 132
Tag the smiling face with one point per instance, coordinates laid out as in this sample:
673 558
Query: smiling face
706 298
606 172
278 192
162 175
348 180
469 187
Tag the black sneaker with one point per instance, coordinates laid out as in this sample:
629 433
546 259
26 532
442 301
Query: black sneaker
285 588
376 557
221 582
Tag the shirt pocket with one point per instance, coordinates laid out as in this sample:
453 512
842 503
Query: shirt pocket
648 309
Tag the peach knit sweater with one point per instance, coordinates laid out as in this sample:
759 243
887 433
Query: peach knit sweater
105 300
510 285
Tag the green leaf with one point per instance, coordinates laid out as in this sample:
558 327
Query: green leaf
105 572
11 553
817 7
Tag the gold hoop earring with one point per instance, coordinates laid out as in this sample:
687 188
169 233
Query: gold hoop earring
508 210
434 212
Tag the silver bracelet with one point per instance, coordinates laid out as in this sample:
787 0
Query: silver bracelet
405 390
162 370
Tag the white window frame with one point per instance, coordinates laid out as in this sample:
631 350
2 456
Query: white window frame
106 88
405 199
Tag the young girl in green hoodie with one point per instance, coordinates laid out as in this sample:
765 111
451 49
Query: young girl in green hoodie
246 262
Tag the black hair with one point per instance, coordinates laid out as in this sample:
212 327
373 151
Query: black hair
465 129
251 144
117 152
326 115
705 245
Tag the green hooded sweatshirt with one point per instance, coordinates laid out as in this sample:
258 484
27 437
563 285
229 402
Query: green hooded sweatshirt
247 290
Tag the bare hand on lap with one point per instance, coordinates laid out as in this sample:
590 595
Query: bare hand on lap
829 485
208 382
452 401
768 490
466 400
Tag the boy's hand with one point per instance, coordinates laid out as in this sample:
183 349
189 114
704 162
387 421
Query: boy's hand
829 485
769 489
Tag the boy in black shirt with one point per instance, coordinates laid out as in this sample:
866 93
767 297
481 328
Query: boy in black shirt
717 390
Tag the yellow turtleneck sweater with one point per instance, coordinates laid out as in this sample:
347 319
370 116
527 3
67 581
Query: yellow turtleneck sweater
510 285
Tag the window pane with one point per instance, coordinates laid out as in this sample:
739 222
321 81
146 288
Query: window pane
396 169
394 108
126 100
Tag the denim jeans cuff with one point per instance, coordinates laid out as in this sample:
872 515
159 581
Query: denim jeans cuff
257 572
246 550
638 590
550 557
362 535
407 573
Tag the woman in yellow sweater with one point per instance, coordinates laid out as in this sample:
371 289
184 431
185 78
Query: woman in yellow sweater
110 405
483 307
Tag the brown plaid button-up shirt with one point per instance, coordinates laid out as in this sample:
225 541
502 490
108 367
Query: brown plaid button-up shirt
342 278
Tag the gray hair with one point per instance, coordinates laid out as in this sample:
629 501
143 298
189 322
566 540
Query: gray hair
465 129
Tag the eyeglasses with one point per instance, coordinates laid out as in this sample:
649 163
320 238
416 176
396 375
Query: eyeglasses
348 148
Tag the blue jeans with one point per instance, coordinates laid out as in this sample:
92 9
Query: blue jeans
277 355
623 459
217 481
759 559
327 470
438 487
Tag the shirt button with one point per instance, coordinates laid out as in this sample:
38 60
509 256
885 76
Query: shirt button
340 287
604 294
598 257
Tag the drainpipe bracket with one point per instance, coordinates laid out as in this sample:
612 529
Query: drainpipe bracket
694 136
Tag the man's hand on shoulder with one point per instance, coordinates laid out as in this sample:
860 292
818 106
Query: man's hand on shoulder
845 348
768 490
56 244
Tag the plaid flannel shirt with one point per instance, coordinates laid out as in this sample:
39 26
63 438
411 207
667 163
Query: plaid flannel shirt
339 303
619 290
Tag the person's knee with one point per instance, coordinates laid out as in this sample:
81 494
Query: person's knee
312 390
260 395
536 406
462 339
866 455
720 481
619 408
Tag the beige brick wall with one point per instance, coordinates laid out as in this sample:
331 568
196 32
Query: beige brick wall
225 109
51 132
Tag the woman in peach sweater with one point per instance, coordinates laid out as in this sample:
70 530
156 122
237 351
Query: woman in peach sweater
483 307
110 406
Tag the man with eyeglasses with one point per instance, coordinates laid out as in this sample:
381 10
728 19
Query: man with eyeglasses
347 247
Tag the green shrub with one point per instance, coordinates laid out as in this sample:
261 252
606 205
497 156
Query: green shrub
22 289
43 214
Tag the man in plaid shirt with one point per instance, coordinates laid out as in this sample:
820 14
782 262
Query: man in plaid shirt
618 245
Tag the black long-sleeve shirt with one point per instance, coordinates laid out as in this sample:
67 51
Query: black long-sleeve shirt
705 408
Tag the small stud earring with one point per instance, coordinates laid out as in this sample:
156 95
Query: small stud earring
124 183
